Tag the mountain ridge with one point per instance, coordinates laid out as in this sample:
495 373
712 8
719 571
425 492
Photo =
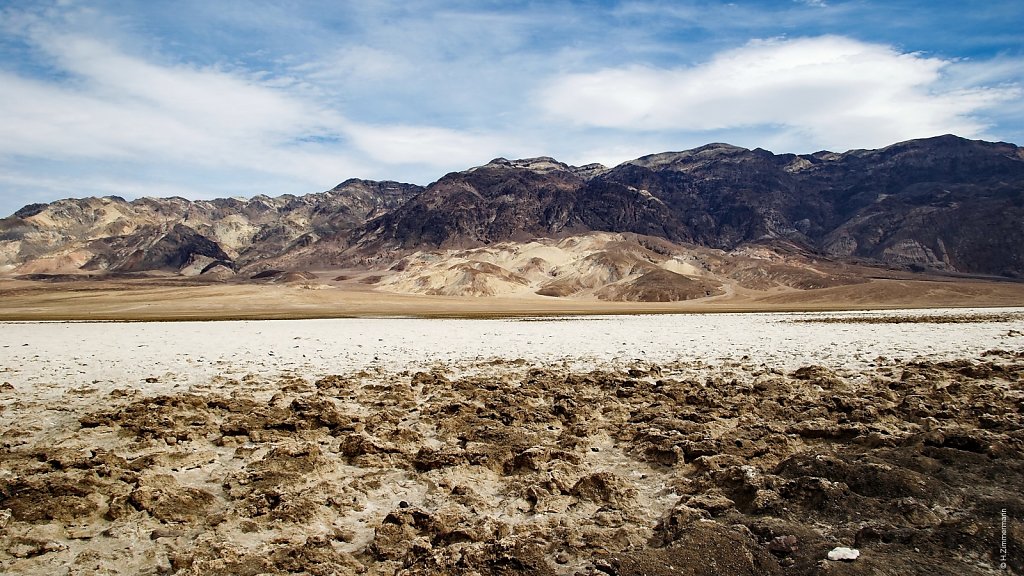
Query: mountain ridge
943 203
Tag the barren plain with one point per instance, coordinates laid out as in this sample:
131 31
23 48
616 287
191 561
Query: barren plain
727 443
323 295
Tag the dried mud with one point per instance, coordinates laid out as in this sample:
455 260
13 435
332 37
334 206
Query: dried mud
510 468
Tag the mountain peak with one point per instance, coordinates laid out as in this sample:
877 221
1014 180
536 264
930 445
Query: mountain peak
686 158
541 164
545 165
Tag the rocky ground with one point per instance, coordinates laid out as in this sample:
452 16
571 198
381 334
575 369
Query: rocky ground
516 468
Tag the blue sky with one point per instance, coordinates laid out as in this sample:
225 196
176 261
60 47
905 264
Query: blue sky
207 99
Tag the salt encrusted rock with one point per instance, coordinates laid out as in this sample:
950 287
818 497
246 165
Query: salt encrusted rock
843 553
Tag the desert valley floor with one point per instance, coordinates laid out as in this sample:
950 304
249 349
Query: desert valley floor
728 443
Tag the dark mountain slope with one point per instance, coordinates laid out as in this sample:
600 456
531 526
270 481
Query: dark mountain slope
717 195
944 203
502 200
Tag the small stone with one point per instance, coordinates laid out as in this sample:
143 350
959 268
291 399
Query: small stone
843 553
783 544
344 535
165 533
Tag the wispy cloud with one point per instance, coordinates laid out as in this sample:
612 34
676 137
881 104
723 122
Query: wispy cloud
70 186
356 64
429 145
106 104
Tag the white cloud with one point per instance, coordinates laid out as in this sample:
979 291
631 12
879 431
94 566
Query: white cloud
829 91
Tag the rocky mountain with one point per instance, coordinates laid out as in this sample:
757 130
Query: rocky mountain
502 200
178 235
941 203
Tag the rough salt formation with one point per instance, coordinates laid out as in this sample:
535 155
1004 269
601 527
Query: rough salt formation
516 468
843 553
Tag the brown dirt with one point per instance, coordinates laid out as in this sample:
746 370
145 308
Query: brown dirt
519 469
182 299
660 286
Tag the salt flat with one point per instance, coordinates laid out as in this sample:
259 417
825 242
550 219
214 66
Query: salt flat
66 354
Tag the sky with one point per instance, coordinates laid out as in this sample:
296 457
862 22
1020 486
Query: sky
236 98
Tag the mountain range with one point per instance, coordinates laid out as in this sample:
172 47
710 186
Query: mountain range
672 225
